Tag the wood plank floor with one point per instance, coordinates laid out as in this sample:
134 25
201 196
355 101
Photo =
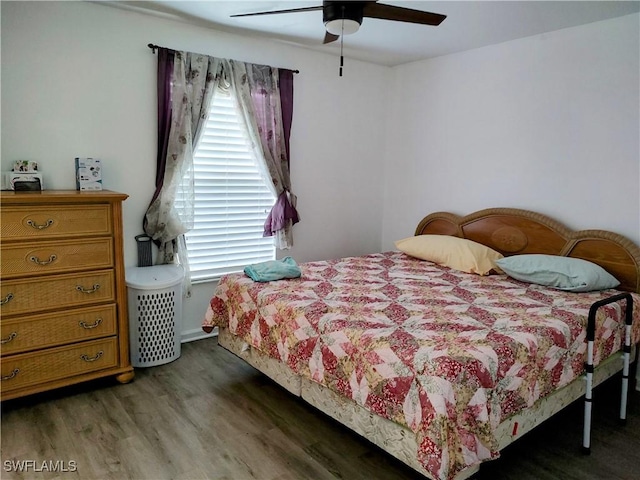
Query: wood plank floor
208 415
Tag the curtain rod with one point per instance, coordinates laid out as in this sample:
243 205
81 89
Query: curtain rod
154 47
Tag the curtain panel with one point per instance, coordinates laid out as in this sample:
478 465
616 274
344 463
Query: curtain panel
261 102
189 80
186 83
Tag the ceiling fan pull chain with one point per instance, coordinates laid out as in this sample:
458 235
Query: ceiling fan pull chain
342 42
341 57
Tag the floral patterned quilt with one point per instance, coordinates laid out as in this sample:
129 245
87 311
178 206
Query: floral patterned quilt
445 353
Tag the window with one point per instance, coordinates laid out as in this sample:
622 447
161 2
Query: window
232 200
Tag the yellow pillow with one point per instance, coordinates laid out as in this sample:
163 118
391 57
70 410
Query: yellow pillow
453 252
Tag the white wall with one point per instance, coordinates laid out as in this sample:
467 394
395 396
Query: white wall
548 123
79 80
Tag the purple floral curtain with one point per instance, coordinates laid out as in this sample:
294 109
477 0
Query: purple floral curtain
284 215
186 83
266 107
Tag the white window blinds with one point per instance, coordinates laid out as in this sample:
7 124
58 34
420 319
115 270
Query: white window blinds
232 200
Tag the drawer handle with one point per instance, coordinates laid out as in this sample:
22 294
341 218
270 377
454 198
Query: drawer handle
6 299
33 224
87 326
11 375
95 288
87 358
35 259
11 336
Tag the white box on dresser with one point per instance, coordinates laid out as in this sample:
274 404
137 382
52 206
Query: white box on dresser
63 299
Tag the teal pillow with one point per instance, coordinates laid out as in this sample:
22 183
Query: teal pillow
563 273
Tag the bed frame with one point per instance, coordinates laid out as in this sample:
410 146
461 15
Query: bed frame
511 232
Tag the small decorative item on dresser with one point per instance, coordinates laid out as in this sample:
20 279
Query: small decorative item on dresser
88 174
25 166
24 175
21 181
63 296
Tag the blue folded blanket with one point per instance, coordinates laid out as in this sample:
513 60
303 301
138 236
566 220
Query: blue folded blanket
273 270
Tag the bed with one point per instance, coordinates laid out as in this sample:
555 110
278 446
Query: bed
440 368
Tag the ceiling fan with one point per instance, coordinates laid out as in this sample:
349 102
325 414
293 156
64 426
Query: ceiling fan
344 18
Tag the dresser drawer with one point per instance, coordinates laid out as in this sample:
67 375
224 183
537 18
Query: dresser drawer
47 330
56 257
27 369
53 221
56 292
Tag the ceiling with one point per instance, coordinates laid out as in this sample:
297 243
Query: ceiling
469 24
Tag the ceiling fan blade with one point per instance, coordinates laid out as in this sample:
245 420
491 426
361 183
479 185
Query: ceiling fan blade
292 10
330 37
400 14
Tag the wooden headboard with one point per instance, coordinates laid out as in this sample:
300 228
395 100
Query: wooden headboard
512 231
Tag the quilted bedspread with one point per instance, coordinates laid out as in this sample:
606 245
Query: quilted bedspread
445 353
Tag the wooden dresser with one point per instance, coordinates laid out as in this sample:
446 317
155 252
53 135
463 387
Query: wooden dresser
63 292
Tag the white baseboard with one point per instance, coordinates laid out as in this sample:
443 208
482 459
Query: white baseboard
197 334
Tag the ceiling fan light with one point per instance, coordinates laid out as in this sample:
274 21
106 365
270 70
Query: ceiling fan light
336 27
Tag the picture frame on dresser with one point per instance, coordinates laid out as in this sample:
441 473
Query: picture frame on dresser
63 296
